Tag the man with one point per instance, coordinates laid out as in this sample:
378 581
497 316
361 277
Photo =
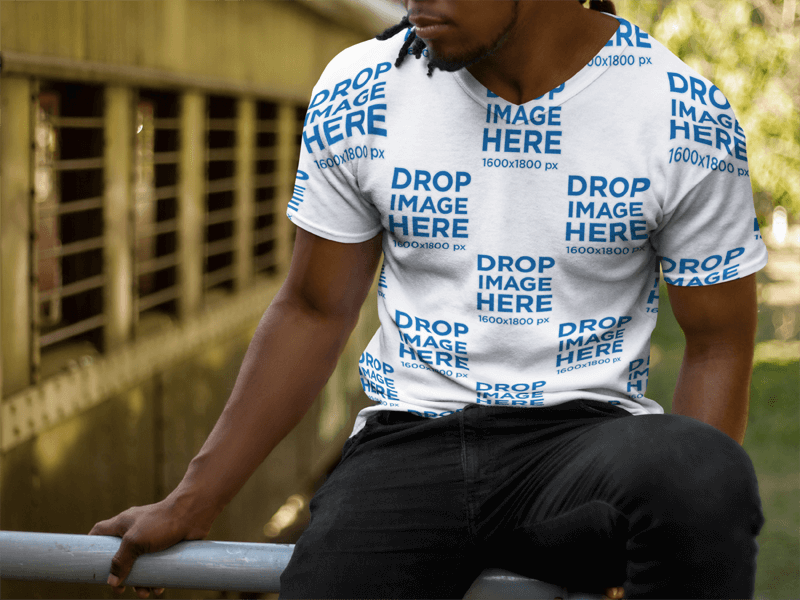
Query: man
523 199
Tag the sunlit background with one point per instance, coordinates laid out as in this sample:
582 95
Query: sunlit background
138 254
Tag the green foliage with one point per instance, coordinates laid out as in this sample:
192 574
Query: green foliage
749 49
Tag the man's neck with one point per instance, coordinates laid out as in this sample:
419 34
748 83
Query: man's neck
550 43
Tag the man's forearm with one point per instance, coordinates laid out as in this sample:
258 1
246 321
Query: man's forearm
291 356
714 386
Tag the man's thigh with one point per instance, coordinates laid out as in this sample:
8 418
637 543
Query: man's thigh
390 521
635 500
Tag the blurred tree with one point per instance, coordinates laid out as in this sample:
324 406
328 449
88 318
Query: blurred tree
749 49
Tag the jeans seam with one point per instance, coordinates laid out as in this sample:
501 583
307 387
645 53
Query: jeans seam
464 469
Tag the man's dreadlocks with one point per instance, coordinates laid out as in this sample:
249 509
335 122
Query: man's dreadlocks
417 45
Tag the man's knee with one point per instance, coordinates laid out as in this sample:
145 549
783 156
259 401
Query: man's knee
695 465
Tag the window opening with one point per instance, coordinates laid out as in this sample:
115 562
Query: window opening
220 186
155 202
266 155
68 216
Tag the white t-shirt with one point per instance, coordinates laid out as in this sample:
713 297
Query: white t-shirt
522 243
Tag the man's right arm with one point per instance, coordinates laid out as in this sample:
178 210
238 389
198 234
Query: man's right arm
292 354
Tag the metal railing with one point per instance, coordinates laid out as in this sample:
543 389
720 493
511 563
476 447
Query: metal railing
202 565
198 565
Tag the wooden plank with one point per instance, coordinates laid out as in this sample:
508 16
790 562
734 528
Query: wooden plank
15 227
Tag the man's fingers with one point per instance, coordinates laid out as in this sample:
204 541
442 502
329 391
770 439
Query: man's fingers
615 593
123 560
144 592
116 526
105 528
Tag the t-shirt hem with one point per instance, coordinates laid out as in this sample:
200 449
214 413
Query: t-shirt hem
344 238
753 267
364 413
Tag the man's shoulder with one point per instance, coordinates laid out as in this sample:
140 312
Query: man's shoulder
363 62
659 71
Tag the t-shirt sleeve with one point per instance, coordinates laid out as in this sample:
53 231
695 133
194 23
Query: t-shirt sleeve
327 202
709 231
326 199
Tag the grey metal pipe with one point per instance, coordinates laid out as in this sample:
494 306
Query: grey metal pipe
232 566
198 565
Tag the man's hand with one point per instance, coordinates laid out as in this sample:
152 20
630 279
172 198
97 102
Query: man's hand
145 529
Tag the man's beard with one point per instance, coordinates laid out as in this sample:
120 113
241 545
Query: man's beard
470 57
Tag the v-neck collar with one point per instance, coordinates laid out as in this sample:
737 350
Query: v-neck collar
582 79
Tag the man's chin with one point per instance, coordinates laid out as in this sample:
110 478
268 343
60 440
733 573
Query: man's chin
446 66
450 65
456 63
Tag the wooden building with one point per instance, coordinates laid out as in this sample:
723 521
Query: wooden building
147 154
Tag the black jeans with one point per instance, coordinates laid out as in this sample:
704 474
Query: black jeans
584 495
